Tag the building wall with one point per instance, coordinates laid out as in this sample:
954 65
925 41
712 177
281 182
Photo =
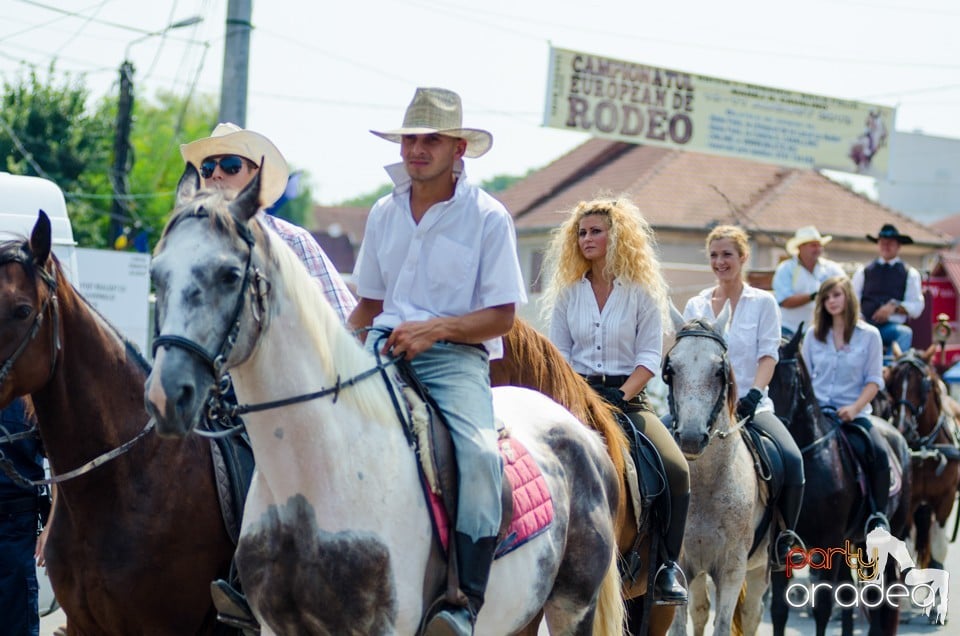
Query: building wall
923 176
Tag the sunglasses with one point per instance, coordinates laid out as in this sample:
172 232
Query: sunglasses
230 164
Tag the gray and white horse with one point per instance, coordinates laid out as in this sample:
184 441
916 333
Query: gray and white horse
336 536
726 498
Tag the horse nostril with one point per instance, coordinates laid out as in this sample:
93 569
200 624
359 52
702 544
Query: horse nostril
185 397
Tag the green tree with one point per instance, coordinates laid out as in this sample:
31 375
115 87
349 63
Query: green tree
47 130
160 125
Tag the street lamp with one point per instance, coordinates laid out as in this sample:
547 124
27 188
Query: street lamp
121 141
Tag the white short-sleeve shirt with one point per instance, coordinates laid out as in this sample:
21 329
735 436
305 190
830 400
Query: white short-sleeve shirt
460 258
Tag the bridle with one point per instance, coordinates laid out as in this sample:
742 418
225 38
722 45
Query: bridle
723 373
24 258
910 424
218 408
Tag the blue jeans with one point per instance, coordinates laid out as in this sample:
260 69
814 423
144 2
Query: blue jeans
18 575
458 378
895 332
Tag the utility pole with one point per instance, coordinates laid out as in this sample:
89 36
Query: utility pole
121 146
236 61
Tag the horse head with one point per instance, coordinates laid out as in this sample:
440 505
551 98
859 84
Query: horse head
30 323
211 300
702 390
790 387
915 396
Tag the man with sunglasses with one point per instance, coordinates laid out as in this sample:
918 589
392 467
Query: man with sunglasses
228 159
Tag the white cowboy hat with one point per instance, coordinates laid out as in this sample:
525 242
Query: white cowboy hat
230 139
437 110
806 234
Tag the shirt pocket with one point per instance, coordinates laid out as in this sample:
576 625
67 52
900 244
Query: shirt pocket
448 269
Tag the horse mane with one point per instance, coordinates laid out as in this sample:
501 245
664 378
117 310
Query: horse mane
535 363
338 352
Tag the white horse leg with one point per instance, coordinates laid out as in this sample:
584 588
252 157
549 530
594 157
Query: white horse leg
728 591
699 604
752 610
938 542
679 625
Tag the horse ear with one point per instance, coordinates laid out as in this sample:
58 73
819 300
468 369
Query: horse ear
188 185
721 324
931 351
676 317
248 201
40 239
791 349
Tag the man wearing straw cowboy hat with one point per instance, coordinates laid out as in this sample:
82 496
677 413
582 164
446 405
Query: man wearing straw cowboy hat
889 290
228 159
797 279
439 281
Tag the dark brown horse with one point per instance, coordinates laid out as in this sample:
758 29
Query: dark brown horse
531 360
834 508
135 542
921 410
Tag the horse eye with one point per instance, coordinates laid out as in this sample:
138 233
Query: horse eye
230 277
22 312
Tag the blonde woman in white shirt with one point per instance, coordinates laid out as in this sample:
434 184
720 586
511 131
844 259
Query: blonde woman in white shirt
607 302
753 345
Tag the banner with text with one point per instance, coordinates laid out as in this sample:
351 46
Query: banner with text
117 284
657 106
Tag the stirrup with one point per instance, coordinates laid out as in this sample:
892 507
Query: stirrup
232 608
793 539
670 601
874 521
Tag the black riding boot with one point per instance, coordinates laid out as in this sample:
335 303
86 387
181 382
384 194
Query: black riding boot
791 498
670 584
474 559
879 482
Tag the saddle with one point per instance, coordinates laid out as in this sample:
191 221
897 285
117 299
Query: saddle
768 462
526 504
233 464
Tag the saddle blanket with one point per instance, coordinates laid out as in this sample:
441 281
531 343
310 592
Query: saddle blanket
532 503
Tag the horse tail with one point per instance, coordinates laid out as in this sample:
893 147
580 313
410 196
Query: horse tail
736 629
611 615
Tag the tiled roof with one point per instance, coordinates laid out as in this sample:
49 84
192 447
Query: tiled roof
693 191
684 191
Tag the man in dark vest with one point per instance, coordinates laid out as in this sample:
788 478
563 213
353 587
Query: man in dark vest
889 289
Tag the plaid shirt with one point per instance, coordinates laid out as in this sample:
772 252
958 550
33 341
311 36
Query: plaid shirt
315 260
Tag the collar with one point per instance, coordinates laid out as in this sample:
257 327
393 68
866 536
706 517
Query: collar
401 180
894 261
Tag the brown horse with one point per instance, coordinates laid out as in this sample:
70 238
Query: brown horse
921 410
130 549
530 360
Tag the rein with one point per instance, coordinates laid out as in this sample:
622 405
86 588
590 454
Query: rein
8 469
722 373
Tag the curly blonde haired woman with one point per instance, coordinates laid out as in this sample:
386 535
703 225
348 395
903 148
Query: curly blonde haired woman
608 301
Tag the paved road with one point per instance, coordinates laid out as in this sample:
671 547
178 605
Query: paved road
799 624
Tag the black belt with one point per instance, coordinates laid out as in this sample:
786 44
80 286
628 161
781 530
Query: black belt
14 506
615 381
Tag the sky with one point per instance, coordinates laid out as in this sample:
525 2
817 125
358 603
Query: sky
322 74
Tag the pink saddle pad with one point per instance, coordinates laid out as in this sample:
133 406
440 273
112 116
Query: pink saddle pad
532 503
